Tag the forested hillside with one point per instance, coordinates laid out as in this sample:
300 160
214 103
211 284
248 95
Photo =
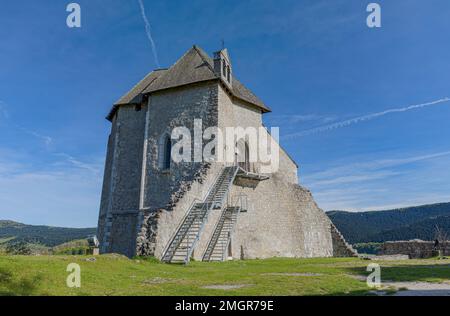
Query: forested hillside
13 232
399 224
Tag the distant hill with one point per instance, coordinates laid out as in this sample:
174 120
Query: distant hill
398 224
13 232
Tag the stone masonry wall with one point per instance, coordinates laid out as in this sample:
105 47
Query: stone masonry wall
128 162
106 189
168 110
415 249
282 219
121 190
170 194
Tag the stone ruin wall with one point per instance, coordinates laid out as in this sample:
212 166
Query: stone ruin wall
415 249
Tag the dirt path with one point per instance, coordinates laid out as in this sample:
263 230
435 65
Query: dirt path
419 288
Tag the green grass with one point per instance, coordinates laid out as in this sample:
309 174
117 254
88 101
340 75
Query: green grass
116 275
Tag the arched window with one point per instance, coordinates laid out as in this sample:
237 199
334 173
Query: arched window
228 74
165 151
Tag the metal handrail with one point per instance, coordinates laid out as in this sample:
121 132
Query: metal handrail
223 209
196 200
240 202
166 249
203 212
211 206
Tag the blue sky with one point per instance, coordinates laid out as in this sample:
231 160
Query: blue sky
315 63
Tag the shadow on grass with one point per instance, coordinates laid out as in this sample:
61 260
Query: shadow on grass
12 286
409 273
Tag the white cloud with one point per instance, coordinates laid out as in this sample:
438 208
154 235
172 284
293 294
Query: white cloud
383 183
366 168
66 193
47 140
363 118
361 177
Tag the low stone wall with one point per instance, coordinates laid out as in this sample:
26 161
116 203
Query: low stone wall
415 249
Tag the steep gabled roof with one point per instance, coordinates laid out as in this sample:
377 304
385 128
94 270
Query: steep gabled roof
141 86
194 66
134 96
190 68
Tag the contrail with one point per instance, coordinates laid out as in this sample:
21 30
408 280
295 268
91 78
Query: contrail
46 139
79 164
363 118
149 33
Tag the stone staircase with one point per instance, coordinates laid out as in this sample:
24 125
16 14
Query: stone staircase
341 248
217 249
183 242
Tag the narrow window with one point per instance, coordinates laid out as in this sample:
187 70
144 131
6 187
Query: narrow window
224 68
167 153
228 74
164 152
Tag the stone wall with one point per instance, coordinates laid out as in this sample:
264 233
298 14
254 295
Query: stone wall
415 249
123 233
148 231
128 160
167 110
106 189
169 194
340 247
282 220
121 186
233 112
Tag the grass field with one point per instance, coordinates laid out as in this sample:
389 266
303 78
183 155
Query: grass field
116 275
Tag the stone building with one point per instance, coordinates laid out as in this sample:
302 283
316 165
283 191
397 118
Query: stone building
208 210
